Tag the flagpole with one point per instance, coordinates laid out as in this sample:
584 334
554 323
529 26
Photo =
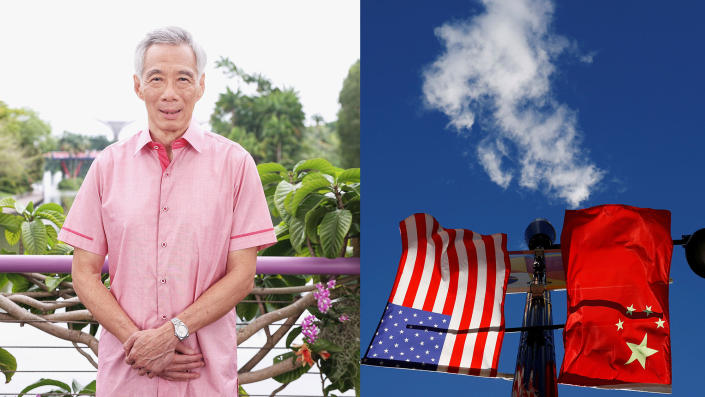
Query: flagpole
535 373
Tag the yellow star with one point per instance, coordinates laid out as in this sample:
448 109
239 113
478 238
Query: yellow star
630 309
619 324
659 323
648 310
640 352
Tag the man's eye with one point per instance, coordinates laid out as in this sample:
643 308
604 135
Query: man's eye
156 79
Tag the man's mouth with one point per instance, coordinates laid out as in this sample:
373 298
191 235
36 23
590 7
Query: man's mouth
170 114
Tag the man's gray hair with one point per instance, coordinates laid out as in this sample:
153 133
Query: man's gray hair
173 35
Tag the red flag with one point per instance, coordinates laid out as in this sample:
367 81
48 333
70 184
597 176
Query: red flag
617 260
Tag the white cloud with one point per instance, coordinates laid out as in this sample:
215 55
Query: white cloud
496 69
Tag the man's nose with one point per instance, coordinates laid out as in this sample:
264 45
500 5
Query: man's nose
169 92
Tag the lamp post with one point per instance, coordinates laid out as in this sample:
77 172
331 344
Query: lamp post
535 373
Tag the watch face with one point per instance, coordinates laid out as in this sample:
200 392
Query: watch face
181 331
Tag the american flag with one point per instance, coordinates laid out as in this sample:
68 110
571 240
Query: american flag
446 309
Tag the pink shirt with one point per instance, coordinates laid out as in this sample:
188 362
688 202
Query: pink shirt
168 227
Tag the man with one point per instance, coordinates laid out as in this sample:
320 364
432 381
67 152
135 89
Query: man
181 213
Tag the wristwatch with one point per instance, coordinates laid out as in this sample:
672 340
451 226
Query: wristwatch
180 329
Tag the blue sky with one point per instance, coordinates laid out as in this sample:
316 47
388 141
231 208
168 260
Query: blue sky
626 77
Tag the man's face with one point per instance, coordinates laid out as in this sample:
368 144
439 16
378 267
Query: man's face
170 87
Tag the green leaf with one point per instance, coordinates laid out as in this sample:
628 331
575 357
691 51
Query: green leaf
34 237
283 189
51 235
53 282
281 248
351 175
3 280
270 178
30 207
265 168
247 310
332 231
318 164
19 282
311 201
8 364
311 183
292 335
297 233
10 222
61 249
12 238
19 208
57 217
51 207
76 386
89 388
45 382
312 220
323 344
7 202
288 377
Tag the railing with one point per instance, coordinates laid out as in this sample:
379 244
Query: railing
27 264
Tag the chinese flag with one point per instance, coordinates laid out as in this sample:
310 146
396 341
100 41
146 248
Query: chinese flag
617 260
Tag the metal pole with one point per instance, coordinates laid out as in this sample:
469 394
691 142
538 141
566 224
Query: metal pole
535 374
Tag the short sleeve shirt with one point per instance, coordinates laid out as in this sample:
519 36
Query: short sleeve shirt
167 227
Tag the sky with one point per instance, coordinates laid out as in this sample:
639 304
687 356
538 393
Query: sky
490 114
73 62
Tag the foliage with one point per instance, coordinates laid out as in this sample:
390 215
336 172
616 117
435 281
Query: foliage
34 229
321 140
269 123
23 139
70 184
318 204
8 364
76 389
348 125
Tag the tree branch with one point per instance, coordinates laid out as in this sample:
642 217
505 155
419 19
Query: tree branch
86 355
39 322
271 342
260 322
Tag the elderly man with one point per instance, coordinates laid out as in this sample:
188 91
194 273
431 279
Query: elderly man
181 213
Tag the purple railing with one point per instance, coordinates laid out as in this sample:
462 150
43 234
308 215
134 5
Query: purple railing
265 264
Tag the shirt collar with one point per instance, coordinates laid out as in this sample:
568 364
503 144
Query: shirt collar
193 135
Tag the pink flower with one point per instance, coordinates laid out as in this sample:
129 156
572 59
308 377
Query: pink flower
343 318
309 329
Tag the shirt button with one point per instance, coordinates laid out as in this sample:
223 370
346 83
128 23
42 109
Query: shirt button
165 209
167 174
163 244
163 316
156 147
163 281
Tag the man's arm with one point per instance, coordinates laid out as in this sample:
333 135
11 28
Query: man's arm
85 273
147 349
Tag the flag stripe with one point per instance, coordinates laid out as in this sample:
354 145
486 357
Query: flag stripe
453 270
417 268
408 265
435 281
426 271
443 283
502 279
475 310
478 359
456 302
463 341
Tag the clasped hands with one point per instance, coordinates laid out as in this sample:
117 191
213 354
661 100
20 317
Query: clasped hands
158 352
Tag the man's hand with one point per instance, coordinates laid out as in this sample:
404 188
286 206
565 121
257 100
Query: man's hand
186 359
151 350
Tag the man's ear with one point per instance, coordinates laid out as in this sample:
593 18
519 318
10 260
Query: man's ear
202 85
138 85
